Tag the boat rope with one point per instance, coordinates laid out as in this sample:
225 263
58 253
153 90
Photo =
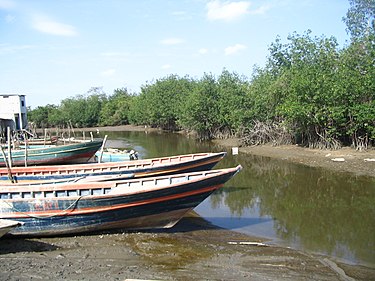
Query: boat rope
45 217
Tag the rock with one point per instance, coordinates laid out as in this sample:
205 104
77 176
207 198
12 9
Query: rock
338 159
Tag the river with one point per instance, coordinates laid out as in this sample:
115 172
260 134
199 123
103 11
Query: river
309 209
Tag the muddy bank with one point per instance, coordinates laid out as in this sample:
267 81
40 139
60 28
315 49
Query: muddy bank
192 250
361 163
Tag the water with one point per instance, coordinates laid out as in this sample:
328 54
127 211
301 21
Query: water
305 208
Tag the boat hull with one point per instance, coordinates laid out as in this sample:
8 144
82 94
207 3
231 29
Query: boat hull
62 154
120 205
7 225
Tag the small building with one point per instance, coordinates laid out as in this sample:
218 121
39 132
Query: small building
13 112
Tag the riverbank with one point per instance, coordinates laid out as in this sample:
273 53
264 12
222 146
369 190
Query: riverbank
348 160
361 163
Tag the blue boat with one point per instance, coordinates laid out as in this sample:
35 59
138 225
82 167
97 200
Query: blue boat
147 203
115 155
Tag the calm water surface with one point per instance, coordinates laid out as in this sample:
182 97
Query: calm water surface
301 207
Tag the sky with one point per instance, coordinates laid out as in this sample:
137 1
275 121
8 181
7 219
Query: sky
53 50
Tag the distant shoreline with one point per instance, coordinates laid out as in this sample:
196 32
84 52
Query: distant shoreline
359 163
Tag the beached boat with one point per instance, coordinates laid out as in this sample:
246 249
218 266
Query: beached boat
7 225
112 170
46 155
147 203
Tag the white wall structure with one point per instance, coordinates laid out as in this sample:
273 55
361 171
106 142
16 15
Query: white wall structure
13 107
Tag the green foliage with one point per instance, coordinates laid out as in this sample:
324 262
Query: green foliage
43 116
306 102
139 111
232 92
115 111
159 104
201 110
360 18
83 111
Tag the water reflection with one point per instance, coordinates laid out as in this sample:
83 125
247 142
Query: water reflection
307 208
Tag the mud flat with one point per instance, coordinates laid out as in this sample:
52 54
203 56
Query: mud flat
192 250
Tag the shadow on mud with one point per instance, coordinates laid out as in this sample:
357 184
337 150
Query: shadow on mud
11 244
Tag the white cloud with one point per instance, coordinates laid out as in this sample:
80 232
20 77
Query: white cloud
108 72
231 50
172 41
217 10
49 26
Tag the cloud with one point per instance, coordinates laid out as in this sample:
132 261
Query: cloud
172 41
231 50
108 72
217 10
49 26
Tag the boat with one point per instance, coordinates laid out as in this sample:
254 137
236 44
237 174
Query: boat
136 204
7 225
115 155
111 170
47 155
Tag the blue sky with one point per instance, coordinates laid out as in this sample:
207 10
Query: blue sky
52 50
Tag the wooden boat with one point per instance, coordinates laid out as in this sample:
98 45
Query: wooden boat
147 203
112 170
7 225
46 155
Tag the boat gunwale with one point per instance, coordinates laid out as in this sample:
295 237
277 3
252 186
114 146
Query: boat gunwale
100 167
138 183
